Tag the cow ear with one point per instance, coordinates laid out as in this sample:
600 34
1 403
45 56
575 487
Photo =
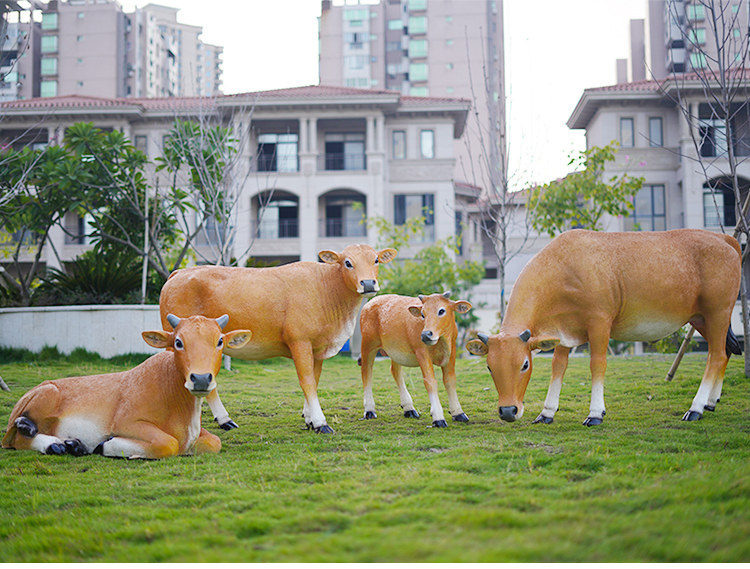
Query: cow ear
477 347
462 306
387 255
416 311
543 343
158 338
237 338
331 257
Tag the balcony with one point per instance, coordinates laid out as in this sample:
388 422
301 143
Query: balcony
340 227
276 229
340 161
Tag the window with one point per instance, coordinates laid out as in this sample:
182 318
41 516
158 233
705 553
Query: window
393 68
395 25
49 21
81 15
355 61
448 43
418 25
655 132
417 5
358 15
650 211
48 89
714 213
418 48
449 66
627 136
49 66
418 72
712 137
696 12
49 44
399 144
698 36
419 92
141 143
427 144
419 205
393 46
277 152
344 217
345 151
277 218
698 60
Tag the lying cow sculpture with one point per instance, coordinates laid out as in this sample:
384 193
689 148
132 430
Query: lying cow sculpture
151 411
414 332
588 286
304 311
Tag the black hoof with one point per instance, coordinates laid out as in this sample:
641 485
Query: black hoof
370 415
711 408
55 448
440 423
542 419
26 427
692 416
324 430
462 418
593 421
75 447
229 425
411 414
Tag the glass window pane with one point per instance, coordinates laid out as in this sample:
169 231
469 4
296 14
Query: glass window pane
49 44
655 134
49 21
418 25
49 66
658 194
626 133
399 145
427 144
395 25
48 89
418 72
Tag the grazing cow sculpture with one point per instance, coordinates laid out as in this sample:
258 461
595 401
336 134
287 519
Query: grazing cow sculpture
413 332
589 287
305 311
151 411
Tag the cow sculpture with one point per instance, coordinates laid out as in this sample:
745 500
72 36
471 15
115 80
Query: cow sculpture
589 287
151 411
414 332
305 311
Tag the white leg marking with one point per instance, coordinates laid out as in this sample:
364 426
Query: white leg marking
369 400
597 400
436 409
42 442
316 416
218 410
552 402
122 448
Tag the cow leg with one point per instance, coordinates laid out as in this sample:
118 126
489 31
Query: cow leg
207 442
713 376
367 359
397 371
142 440
552 402
598 343
221 416
430 383
35 428
306 368
449 381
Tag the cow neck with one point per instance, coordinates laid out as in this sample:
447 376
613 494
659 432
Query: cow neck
171 383
340 301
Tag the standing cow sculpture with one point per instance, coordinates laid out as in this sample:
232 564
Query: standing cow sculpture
414 333
588 286
151 411
305 311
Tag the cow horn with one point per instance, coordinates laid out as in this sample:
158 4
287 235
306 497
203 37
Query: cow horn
173 320
483 337
421 297
447 294
222 320
525 335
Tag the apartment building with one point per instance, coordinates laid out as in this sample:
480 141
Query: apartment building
94 48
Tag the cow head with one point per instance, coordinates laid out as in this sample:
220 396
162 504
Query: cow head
439 314
359 266
197 343
509 361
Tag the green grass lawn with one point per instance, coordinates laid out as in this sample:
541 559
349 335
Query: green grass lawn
644 486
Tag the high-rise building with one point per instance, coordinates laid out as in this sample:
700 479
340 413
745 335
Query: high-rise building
435 48
94 48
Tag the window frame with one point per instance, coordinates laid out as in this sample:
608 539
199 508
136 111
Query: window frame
625 121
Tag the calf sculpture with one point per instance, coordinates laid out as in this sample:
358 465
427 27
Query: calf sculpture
151 411
589 286
304 311
413 332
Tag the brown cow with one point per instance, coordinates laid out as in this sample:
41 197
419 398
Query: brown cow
304 311
150 411
589 287
413 332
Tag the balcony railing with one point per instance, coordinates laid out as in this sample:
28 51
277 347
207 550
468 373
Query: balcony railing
338 227
276 229
335 161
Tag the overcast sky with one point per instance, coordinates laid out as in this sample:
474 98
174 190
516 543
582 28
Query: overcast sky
554 50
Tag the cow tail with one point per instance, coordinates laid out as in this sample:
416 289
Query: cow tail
733 344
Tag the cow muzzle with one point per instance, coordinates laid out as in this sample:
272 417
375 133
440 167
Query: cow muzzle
509 413
201 384
368 287
428 338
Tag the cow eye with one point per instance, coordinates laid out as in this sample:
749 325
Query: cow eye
348 264
377 260
525 365
178 345
441 312
221 343
422 315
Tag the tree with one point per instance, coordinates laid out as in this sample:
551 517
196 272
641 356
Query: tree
582 198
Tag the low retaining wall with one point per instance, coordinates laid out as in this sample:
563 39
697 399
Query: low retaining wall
108 330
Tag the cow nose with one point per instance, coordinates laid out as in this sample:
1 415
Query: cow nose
201 382
427 336
508 413
369 286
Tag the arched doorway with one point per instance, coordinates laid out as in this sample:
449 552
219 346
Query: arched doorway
276 215
344 213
